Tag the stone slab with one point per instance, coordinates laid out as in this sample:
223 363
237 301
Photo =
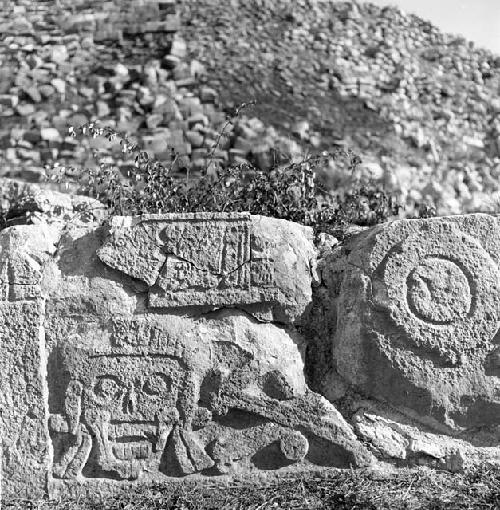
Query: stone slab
26 452
418 316
163 397
104 388
216 259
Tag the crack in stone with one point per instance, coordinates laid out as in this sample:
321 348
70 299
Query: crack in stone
182 259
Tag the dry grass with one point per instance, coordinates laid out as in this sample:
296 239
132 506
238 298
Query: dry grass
409 489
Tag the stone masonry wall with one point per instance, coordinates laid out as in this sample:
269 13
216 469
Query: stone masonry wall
165 347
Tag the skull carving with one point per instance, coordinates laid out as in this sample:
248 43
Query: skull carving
132 406
130 409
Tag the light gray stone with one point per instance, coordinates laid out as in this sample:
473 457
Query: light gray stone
417 317
168 347
408 444
26 450
210 259
133 390
156 396
24 250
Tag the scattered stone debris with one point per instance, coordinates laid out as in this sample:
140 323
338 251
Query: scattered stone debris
389 84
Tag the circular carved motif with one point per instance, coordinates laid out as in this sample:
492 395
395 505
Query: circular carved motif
439 291
441 288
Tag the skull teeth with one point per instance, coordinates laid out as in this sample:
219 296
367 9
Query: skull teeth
130 451
139 430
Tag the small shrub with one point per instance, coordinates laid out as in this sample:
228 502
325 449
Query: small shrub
364 204
17 204
289 192
426 210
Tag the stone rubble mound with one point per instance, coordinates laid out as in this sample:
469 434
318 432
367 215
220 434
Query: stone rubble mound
65 64
420 106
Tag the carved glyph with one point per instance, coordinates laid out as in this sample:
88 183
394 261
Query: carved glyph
440 286
428 320
207 376
155 404
193 259
120 410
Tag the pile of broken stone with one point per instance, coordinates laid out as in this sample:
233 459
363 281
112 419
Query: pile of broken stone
437 93
138 69
67 64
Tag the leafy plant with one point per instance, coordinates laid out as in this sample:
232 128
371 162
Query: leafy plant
291 192
426 210
16 204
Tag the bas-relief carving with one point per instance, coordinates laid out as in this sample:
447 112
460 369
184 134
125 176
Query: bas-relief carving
431 316
120 411
194 259
149 407
152 400
442 288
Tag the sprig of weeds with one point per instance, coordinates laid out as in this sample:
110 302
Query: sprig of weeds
291 191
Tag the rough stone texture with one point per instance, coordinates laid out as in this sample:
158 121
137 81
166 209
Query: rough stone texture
65 63
20 199
24 251
26 449
167 395
68 63
169 347
216 260
208 380
406 443
414 324
370 76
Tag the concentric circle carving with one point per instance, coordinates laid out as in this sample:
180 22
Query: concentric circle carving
442 288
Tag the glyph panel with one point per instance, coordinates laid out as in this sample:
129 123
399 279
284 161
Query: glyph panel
152 404
193 259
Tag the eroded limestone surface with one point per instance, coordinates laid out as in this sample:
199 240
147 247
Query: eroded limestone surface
173 396
416 314
23 400
163 348
215 259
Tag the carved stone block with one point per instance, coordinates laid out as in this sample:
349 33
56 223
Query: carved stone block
166 347
23 400
169 396
213 259
418 319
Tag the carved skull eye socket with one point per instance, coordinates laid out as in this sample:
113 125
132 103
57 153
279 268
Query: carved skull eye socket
107 388
157 384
